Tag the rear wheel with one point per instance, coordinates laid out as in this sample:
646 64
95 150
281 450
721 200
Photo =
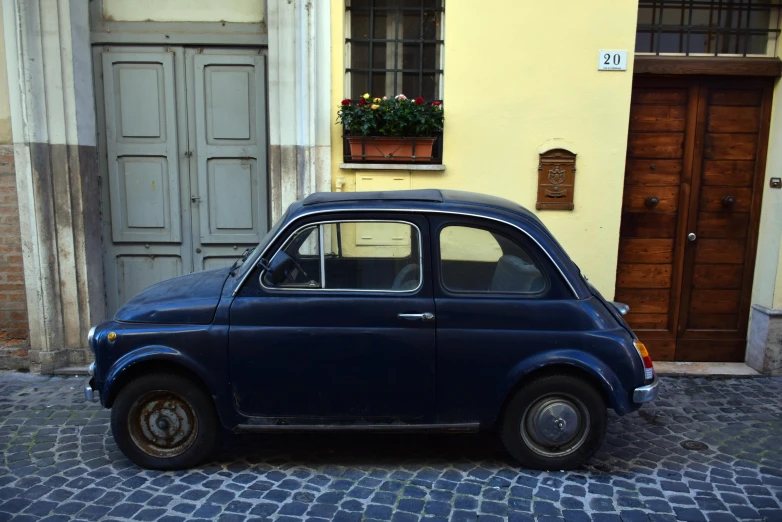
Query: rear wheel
554 422
164 421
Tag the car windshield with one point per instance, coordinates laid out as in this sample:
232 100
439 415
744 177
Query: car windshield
250 256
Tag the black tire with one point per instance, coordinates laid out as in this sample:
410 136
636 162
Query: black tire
164 421
556 422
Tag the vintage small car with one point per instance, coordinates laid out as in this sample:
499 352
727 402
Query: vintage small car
423 310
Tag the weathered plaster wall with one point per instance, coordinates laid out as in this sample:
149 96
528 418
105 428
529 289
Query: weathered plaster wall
53 127
183 10
514 82
767 287
5 108
13 307
299 99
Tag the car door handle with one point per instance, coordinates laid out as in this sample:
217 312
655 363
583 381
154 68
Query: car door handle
415 317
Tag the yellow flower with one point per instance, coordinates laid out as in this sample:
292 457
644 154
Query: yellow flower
377 100
374 106
366 96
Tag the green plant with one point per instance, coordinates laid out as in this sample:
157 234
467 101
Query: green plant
398 116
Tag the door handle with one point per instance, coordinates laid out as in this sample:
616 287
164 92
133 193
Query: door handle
691 237
426 317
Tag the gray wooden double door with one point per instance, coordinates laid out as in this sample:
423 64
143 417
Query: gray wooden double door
183 160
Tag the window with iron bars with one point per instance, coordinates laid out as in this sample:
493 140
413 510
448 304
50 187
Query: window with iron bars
708 27
395 47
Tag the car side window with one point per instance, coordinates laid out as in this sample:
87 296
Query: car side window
350 255
298 262
474 259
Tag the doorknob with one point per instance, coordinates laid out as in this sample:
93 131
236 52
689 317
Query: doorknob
691 237
415 317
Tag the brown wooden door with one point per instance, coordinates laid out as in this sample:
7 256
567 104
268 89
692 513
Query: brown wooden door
693 183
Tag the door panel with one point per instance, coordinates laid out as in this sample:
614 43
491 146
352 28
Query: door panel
145 201
230 134
141 146
348 355
689 298
651 209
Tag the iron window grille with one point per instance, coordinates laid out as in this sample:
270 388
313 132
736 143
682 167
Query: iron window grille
708 27
394 47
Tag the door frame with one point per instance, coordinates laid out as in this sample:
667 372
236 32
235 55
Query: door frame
667 340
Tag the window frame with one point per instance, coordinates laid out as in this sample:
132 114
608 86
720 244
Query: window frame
654 30
397 40
528 247
322 256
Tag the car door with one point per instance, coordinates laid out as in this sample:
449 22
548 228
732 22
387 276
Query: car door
346 331
498 301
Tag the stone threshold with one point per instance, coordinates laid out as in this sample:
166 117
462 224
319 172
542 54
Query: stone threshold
72 370
704 369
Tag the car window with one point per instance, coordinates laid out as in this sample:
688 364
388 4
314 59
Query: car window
473 259
371 255
303 248
350 255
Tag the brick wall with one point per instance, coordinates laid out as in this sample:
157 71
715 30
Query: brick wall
13 307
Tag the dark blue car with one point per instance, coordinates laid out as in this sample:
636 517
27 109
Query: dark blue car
376 311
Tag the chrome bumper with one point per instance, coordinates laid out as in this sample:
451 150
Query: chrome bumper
647 393
90 393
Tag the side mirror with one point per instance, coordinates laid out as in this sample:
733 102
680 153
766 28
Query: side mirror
278 267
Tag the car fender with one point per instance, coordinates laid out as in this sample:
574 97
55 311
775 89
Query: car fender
150 353
617 395
165 353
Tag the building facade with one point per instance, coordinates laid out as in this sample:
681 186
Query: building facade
144 140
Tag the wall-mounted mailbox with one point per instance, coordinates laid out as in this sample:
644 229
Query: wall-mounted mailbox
556 180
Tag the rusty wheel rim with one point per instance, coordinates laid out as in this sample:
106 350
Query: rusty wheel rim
162 424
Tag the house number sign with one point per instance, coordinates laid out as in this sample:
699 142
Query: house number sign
608 60
556 180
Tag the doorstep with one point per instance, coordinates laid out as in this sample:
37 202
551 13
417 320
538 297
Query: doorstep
72 370
704 369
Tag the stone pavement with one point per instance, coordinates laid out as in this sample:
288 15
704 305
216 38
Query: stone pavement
59 462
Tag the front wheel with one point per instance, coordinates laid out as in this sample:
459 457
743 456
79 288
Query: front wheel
555 422
164 421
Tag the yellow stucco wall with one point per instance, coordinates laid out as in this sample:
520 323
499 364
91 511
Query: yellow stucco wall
184 10
519 77
5 109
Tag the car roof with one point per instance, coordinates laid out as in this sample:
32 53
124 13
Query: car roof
421 198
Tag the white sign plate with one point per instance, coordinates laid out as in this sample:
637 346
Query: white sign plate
612 60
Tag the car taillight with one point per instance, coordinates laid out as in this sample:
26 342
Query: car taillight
648 366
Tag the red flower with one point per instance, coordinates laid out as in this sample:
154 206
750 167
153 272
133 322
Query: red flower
346 101
436 104
419 101
362 102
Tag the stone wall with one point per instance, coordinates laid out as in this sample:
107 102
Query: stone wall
13 309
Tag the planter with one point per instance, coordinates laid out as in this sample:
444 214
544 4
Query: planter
383 148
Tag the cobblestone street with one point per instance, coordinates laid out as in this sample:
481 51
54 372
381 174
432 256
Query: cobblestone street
59 462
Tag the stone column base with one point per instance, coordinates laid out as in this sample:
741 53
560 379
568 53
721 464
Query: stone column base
764 346
42 361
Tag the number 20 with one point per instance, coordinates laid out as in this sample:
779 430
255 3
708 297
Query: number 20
616 59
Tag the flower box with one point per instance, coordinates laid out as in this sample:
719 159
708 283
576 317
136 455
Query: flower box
384 148
395 130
